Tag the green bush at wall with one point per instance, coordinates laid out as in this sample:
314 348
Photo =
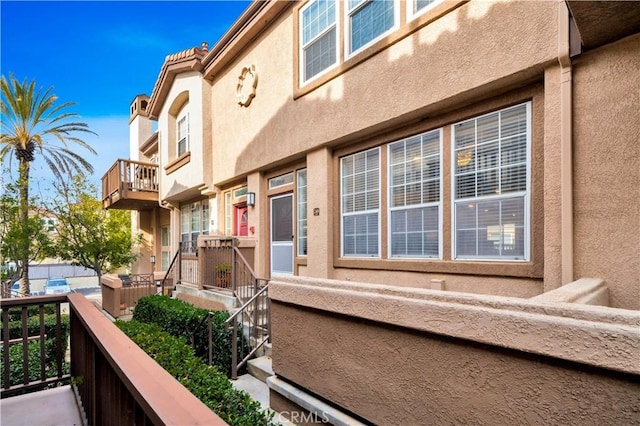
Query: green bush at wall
183 320
205 382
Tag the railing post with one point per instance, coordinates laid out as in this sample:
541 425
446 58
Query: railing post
234 349
210 340
179 266
234 284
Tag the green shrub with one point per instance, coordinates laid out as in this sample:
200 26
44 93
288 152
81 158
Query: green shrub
15 314
206 382
180 319
50 327
16 371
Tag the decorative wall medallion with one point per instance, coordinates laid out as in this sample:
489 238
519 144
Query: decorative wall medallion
247 83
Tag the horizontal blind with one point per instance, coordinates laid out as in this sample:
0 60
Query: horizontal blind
491 184
360 203
319 38
414 194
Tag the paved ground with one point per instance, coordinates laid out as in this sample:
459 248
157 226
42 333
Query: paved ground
50 407
74 282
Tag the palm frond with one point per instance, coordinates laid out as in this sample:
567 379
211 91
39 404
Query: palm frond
33 120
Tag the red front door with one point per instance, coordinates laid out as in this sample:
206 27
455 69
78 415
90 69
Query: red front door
242 220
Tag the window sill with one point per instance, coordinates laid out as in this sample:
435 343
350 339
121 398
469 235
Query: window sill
178 162
458 267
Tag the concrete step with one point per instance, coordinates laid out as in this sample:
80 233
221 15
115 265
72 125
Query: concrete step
260 368
258 391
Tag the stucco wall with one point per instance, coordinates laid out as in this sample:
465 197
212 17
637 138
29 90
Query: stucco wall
190 175
448 62
499 286
397 358
607 169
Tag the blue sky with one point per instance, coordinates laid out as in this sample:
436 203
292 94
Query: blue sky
101 54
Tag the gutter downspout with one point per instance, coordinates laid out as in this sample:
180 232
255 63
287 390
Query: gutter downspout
566 144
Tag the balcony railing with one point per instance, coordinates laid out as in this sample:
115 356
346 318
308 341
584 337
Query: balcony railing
130 185
117 383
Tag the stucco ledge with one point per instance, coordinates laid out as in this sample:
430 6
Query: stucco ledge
595 335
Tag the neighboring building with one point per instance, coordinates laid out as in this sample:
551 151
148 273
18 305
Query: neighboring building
489 148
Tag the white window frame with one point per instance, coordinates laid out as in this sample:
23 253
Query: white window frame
413 14
526 194
184 117
303 46
302 222
228 214
165 248
347 25
186 211
430 204
378 211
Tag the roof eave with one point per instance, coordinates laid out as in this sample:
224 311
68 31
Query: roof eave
167 75
258 16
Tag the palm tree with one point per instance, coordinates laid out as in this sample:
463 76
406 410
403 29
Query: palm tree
32 124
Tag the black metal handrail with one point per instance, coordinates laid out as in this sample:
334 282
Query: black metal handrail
254 317
171 269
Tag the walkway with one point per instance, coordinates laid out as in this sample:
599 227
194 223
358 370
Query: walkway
45 408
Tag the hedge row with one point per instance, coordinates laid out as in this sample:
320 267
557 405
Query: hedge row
206 382
180 319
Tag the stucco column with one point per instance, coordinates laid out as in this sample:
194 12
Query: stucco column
258 224
320 193
552 181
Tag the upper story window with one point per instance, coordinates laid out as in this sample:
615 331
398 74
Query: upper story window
418 7
319 37
368 20
492 185
183 134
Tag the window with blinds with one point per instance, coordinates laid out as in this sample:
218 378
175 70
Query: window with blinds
301 194
491 185
414 196
319 37
369 20
360 204
183 135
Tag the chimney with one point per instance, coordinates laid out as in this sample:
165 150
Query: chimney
140 125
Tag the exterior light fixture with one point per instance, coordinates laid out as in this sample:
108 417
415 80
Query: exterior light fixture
152 259
251 199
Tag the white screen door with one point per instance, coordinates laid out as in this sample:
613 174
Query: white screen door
282 235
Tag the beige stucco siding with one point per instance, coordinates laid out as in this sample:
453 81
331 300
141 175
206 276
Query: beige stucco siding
192 174
607 169
445 64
